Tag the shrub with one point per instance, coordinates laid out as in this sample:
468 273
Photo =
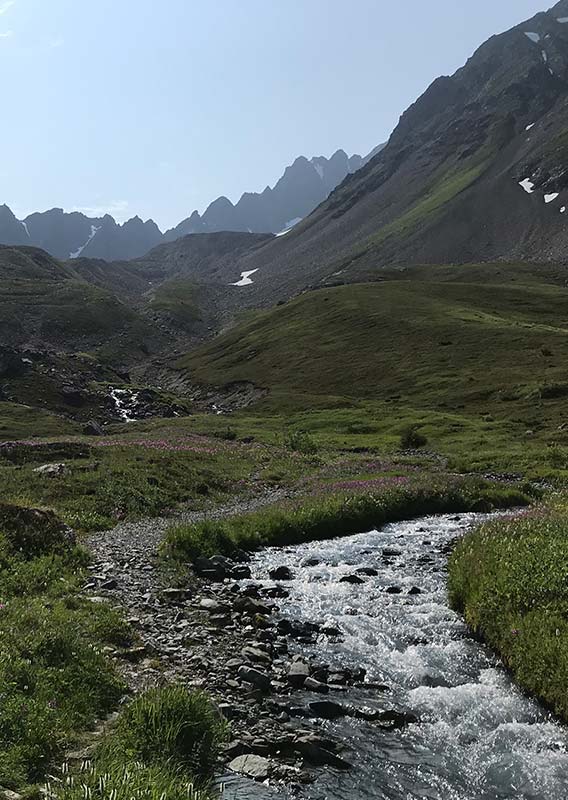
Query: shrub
301 442
412 439
33 532
168 726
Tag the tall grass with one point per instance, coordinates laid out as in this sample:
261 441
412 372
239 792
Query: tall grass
54 677
328 517
168 726
510 580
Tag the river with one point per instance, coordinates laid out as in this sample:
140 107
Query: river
478 737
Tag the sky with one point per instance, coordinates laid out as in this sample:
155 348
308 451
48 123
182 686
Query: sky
156 107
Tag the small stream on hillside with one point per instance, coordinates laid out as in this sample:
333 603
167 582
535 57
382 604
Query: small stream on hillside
478 737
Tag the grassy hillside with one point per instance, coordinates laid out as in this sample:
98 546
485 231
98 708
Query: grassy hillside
479 366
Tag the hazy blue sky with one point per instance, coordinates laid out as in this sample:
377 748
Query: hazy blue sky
156 108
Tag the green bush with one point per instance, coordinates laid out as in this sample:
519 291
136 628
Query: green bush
301 442
412 439
510 580
168 726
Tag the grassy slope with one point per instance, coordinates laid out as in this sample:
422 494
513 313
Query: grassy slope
480 366
509 579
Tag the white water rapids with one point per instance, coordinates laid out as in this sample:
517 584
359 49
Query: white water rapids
478 738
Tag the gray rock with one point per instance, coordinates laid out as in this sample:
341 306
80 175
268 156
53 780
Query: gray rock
311 685
253 766
92 428
213 606
298 673
354 580
254 654
51 470
281 574
248 605
255 677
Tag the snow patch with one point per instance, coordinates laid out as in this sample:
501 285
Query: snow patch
289 225
563 209
245 278
319 169
549 198
530 126
94 231
545 56
562 20
534 37
25 227
527 185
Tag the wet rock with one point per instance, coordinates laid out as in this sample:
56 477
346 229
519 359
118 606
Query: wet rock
251 765
298 673
248 605
327 709
415 591
275 592
281 574
313 685
354 580
394 590
312 749
310 562
369 572
255 677
209 569
331 631
397 719
240 573
303 631
391 552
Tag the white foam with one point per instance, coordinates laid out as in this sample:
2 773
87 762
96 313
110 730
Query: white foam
527 185
245 278
549 198
534 37
94 231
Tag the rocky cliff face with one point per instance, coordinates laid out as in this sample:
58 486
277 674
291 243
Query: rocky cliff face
475 170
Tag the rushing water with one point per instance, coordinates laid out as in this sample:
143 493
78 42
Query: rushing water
478 737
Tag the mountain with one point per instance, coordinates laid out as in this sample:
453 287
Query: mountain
474 171
303 186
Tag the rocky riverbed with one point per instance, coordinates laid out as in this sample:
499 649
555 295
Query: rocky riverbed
341 669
